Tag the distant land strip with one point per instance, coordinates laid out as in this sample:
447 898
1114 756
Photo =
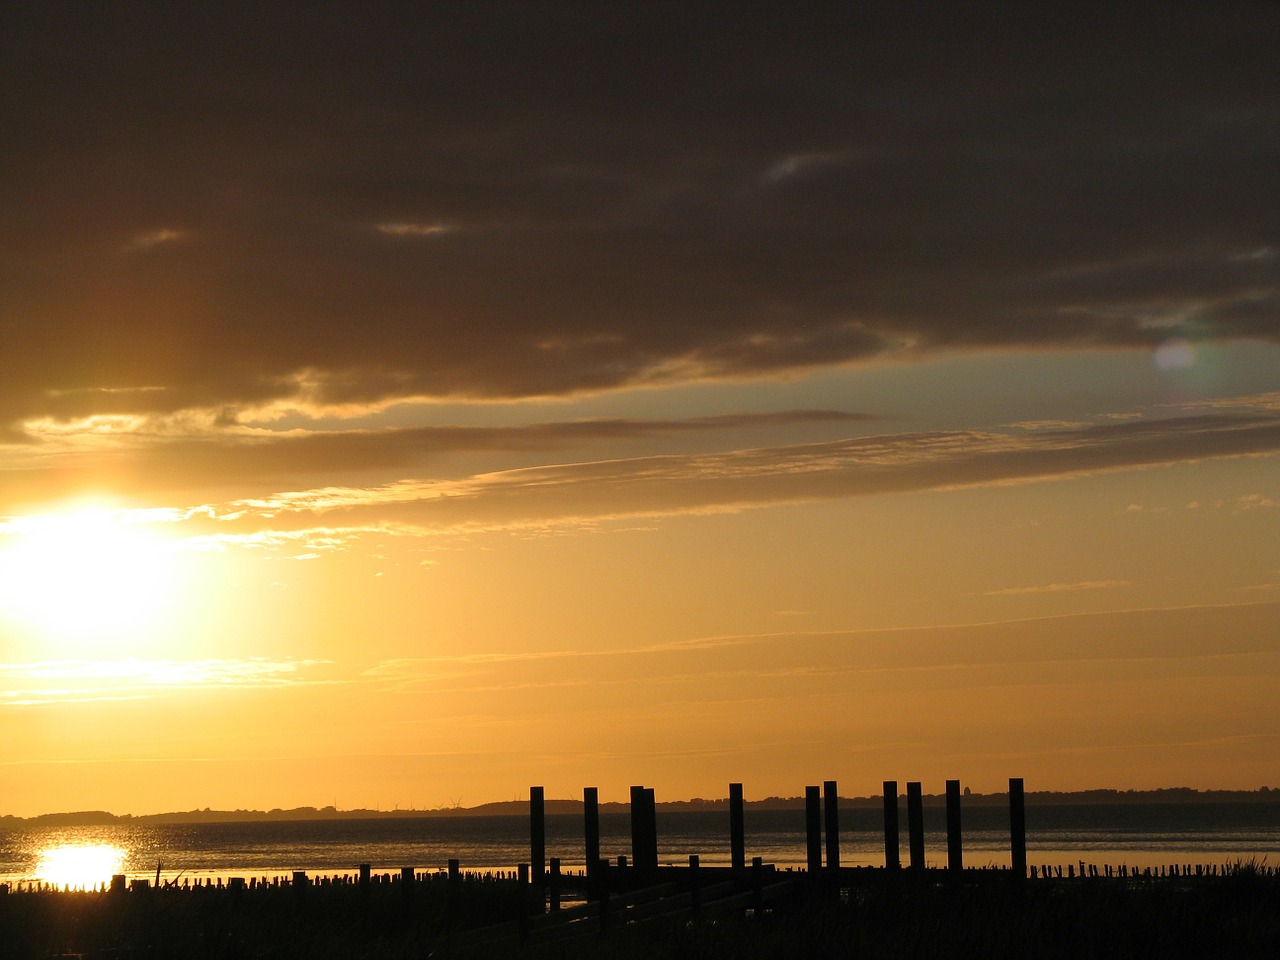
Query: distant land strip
1169 795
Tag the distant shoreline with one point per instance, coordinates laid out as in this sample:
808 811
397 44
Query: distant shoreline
1169 795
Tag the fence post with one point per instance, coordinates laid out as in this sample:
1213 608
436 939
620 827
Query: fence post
591 823
892 857
737 829
1017 828
915 824
813 829
955 855
537 836
831 810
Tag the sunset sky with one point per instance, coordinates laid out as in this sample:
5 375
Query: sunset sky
402 405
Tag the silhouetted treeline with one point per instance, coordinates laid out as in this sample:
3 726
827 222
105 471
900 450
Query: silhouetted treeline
1171 795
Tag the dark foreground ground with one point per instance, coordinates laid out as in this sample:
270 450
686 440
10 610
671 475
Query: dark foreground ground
1235 916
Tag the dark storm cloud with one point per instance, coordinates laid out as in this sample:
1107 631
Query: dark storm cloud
209 207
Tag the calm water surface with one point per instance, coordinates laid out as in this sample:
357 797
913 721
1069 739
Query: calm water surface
1136 835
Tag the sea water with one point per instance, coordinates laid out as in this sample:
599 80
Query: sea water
1134 834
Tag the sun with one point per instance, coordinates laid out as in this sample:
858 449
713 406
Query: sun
86 573
79 866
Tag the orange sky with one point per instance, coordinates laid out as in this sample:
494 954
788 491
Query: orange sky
421 407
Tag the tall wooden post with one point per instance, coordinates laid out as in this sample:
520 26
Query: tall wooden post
892 857
1017 828
737 829
955 856
915 824
831 812
537 835
591 826
650 829
813 828
637 825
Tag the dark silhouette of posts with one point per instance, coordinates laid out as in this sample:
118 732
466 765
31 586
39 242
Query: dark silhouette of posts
644 829
537 835
601 887
892 858
522 901
591 826
737 829
650 829
915 825
813 828
831 812
1017 828
637 824
955 855
695 885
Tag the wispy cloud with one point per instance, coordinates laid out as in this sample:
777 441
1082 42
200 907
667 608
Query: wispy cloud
1058 587
589 492
405 230
1192 635
61 681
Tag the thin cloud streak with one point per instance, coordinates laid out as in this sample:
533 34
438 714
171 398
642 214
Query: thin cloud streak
589 492
43 682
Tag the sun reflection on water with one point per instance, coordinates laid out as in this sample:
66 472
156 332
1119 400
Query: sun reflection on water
79 866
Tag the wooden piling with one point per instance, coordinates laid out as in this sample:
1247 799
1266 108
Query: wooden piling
831 812
915 825
637 825
955 854
591 826
554 886
537 835
650 829
892 856
813 828
737 829
1017 828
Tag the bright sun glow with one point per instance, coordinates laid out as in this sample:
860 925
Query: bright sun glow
85 574
79 866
